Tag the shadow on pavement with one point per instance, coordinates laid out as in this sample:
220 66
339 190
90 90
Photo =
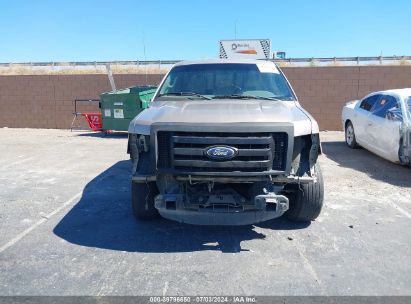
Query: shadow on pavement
367 162
103 219
102 134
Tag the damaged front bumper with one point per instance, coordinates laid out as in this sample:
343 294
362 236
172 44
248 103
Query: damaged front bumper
294 179
221 210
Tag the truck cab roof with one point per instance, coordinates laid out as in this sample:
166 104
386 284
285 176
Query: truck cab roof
222 61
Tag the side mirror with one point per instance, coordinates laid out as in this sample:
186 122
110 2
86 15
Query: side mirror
394 114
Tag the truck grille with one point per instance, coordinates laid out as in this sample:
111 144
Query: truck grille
185 151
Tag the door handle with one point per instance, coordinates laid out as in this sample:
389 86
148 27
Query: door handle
370 123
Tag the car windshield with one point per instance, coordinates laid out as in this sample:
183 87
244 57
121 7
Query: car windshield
408 106
227 81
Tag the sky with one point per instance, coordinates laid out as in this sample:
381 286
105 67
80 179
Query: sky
109 30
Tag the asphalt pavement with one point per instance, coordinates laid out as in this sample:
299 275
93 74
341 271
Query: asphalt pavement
66 228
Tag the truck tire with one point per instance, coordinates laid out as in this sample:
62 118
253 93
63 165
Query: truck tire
350 136
306 200
142 200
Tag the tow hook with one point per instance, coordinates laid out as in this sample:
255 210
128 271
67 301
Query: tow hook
280 202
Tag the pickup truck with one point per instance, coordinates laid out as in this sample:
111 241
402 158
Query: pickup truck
225 142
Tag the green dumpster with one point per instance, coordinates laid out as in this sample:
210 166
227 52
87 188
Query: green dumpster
119 107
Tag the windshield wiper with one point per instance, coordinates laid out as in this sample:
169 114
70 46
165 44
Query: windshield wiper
184 94
237 96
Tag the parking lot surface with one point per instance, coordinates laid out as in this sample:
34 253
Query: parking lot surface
66 228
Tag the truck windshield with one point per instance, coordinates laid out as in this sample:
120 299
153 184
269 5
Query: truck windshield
226 80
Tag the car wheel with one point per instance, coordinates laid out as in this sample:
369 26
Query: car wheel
142 199
306 200
350 136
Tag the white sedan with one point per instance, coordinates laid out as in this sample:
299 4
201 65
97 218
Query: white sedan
381 123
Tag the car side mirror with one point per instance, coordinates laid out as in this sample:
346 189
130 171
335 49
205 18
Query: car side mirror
394 114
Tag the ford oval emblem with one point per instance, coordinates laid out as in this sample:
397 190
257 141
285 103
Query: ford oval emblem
221 152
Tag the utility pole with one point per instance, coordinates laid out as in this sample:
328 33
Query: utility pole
145 58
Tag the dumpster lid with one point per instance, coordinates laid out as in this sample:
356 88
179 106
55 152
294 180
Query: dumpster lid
138 89
134 89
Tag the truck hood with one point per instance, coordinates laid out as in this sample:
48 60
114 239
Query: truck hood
218 111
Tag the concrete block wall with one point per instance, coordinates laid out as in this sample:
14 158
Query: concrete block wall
323 91
46 101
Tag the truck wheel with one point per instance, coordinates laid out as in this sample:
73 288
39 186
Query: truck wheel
142 199
306 200
350 136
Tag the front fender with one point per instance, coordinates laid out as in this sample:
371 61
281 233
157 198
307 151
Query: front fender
136 127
